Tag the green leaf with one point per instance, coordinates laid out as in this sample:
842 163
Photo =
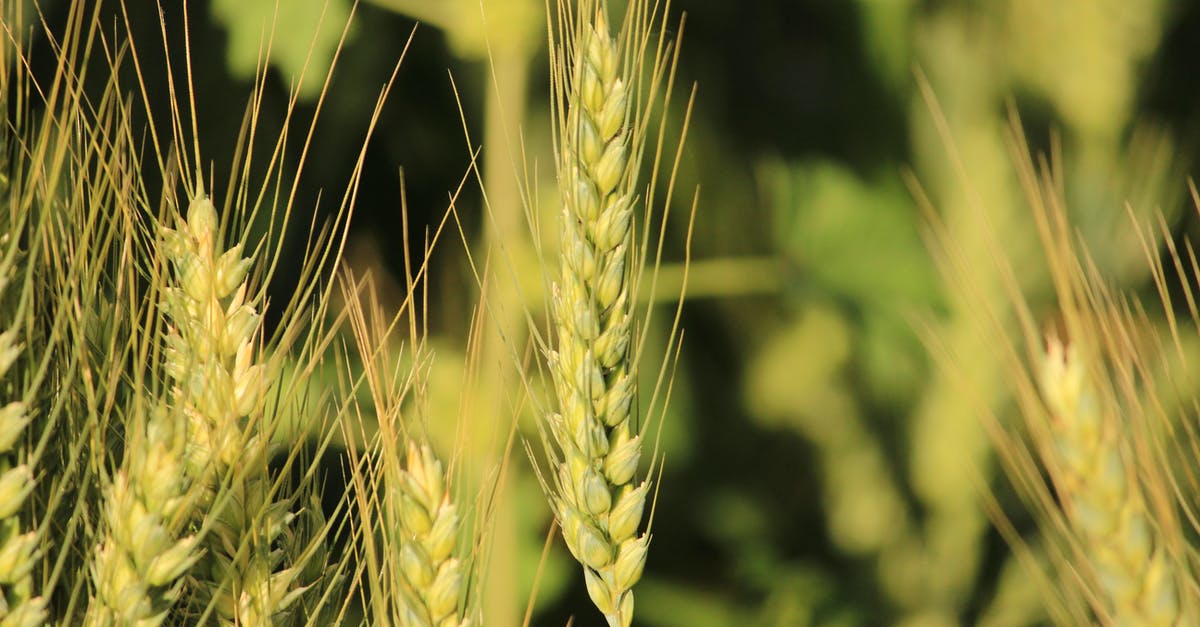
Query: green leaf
296 31
853 237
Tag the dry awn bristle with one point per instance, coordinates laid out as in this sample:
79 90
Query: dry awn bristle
18 551
596 502
1103 503
431 576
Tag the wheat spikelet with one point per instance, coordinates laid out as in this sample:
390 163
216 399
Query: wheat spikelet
18 551
432 580
595 501
1103 503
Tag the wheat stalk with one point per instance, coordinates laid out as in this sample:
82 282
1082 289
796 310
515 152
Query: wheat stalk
595 501
1103 503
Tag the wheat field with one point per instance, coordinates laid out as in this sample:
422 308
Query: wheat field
598 312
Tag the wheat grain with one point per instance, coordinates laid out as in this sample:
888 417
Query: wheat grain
595 501
1102 501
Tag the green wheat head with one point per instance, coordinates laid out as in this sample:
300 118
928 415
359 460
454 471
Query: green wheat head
1106 509
595 499
20 603
1094 456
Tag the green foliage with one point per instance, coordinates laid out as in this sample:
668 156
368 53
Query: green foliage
828 454
853 238
299 38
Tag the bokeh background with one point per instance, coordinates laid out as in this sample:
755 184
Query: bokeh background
820 467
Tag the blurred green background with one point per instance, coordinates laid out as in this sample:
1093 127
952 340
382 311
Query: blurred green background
820 468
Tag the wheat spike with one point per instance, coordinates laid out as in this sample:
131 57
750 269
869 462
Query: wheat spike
1103 503
596 502
432 579
212 359
139 564
19 604
210 345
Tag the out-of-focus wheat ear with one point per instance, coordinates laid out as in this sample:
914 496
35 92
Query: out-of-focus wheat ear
597 503
1102 499
18 551
138 567
428 538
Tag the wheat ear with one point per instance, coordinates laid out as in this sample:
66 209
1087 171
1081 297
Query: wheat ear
432 580
211 357
139 564
210 345
18 551
1103 502
595 500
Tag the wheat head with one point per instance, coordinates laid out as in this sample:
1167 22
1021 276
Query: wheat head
211 343
19 604
432 576
139 564
140 560
211 357
1103 503
595 499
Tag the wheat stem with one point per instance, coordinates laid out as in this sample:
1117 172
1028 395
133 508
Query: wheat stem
596 502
